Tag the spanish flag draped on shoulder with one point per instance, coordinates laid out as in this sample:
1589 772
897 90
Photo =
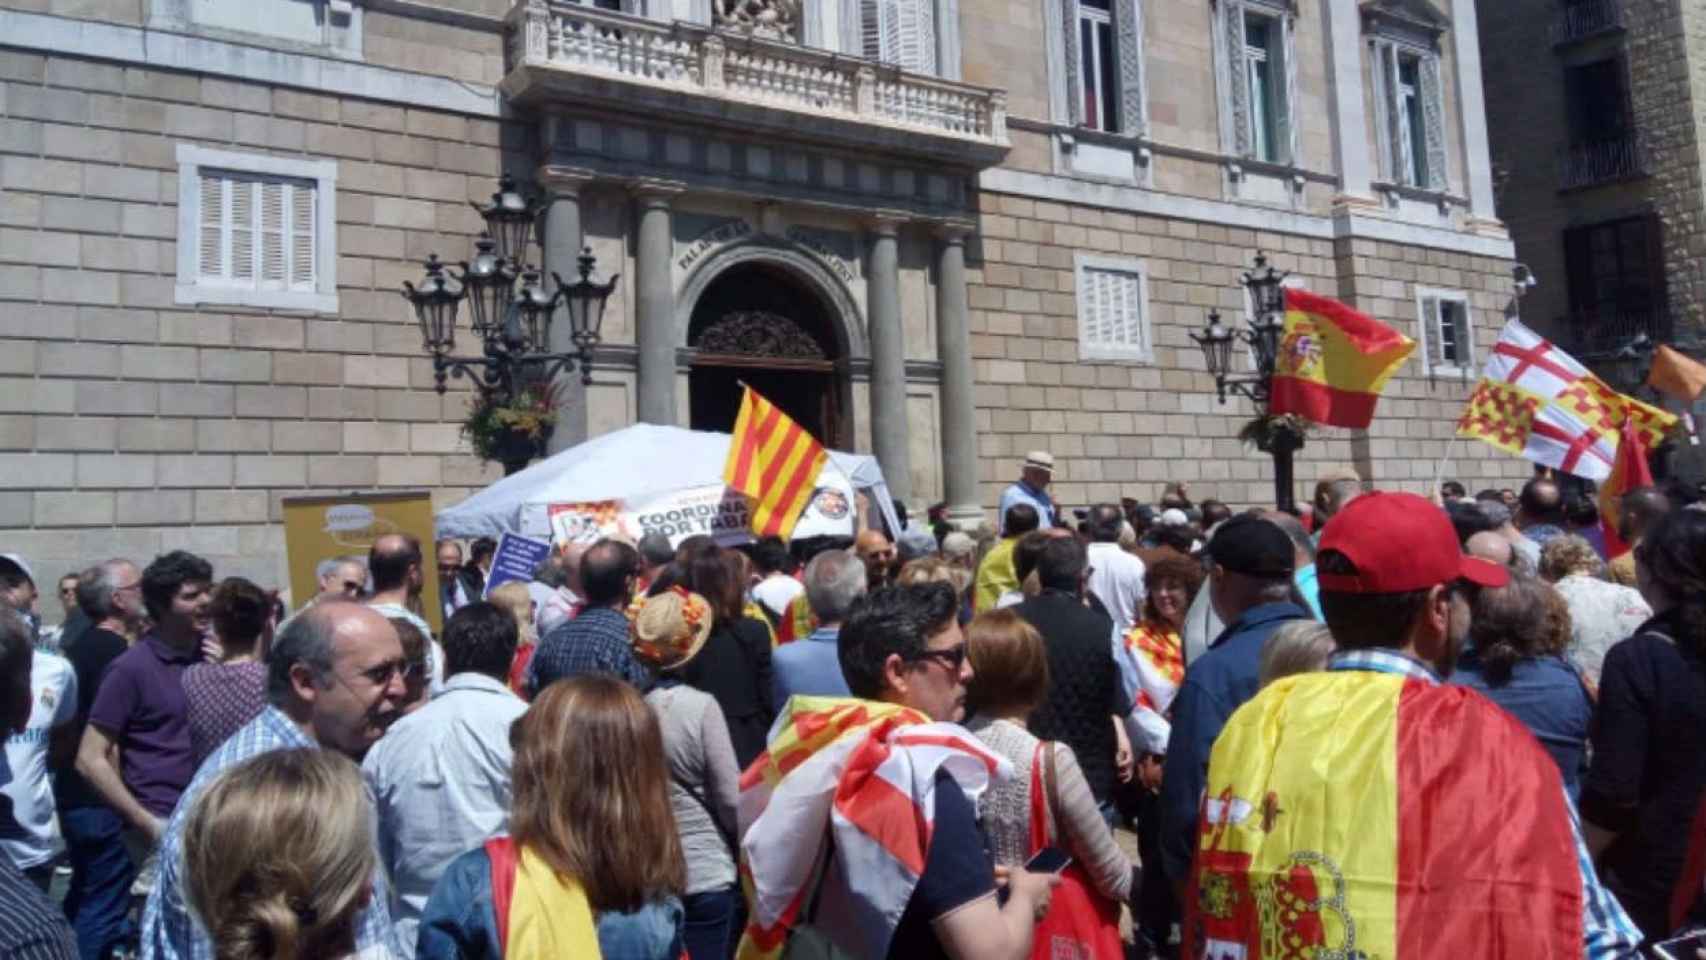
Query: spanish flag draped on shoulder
1332 361
774 461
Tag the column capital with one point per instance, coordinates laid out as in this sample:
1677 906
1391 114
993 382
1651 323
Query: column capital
886 223
953 231
655 193
560 180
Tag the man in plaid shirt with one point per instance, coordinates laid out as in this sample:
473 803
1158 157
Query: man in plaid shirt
596 640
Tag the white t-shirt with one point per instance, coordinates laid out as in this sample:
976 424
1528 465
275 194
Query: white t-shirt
777 591
1116 578
53 703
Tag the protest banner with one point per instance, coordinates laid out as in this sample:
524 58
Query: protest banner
711 509
515 560
317 528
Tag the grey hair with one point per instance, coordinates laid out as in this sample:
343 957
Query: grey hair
307 638
1293 528
1299 646
1496 513
958 544
95 589
325 567
834 579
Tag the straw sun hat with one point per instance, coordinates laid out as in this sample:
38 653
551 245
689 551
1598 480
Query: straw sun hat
671 628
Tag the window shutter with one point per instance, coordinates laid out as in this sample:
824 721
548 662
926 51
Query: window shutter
900 32
1383 106
1128 48
302 237
242 227
1111 311
1465 344
1398 157
871 28
273 269
213 227
1433 107
1285 131
1238 76
1073 55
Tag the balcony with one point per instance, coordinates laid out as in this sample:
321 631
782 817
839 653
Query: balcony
1582 19
567 53
1615 158
1599 335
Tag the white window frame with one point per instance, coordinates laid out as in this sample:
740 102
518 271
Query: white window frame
1143 352
1429 332
1064 60
193 289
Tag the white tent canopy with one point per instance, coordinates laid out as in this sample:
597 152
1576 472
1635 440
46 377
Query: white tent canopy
635 462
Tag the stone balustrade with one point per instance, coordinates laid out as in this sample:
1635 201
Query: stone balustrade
685 58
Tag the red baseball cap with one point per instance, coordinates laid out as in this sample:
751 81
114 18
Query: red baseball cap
1398 543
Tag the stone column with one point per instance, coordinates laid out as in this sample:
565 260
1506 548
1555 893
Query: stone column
888 358
654 309
1472 110
959 405
562 240
1351 154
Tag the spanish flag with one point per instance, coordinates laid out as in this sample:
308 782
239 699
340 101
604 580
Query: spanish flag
1630 471
1332 361
1361 814
775 462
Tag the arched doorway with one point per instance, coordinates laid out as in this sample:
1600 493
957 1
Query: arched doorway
757 323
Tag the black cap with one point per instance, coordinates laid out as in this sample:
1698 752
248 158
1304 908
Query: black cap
1253 547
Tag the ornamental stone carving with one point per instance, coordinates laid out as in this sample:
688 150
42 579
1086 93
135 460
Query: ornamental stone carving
756 333
769 19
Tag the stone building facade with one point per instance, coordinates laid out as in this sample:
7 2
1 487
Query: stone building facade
1598 138
943 231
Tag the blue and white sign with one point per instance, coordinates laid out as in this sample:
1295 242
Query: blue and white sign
516 559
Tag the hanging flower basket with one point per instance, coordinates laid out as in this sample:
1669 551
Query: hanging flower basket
512 433
1268 433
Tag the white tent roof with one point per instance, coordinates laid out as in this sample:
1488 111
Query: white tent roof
637 461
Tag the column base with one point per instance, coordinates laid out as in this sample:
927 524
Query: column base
966 516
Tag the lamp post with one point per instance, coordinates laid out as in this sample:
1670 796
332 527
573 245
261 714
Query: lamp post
1277 437
510 311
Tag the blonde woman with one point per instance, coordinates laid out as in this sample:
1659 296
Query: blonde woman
278 857
514 599
1301 646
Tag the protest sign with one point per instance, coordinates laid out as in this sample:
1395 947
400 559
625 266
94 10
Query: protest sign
318 528
710 509
515 560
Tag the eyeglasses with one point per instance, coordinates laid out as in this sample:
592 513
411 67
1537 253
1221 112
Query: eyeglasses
381 674
953 658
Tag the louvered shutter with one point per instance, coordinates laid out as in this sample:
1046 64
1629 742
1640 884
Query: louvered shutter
273 267
1285 129
1464 339
1074 55
302 238
1128 49
1433 109
241 223
1383 143
1111 311
1397 156
214 233
899 32
1431 329
1238 76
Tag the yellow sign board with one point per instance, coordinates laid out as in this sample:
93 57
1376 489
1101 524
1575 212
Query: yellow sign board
316 528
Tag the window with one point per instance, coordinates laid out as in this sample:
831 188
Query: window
331 26
900 32
256 231
1113 309
1099 52
1097 90
1616 270
1595 99
1256 84
1410 126
1447 340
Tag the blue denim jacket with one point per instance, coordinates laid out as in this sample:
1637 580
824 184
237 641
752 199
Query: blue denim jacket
459 923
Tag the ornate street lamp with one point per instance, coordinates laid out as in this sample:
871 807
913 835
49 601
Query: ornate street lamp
1275 436
510 312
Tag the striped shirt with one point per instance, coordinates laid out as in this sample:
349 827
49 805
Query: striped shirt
1607 931
30 927
170 931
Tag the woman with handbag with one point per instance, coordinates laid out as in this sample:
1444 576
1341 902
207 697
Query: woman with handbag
1047 802
669 631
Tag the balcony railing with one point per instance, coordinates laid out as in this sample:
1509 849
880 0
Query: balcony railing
1581 19
1602 161
1599 334
719 69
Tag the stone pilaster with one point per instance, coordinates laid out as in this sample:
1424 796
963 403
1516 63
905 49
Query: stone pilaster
958 401
654 309
888 357
1346 109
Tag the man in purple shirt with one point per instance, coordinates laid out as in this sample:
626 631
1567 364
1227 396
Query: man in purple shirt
136 749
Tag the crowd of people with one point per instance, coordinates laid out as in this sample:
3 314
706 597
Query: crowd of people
1387 725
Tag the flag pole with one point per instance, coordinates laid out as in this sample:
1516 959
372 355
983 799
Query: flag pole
1439 471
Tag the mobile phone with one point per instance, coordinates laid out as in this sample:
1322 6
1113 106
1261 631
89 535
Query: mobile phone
1682 948
1054 860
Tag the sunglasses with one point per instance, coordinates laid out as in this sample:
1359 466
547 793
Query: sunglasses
952 659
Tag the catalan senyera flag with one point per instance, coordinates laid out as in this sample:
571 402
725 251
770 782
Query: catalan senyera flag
1361 814
1333 361
1631 471
866 772
774 461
